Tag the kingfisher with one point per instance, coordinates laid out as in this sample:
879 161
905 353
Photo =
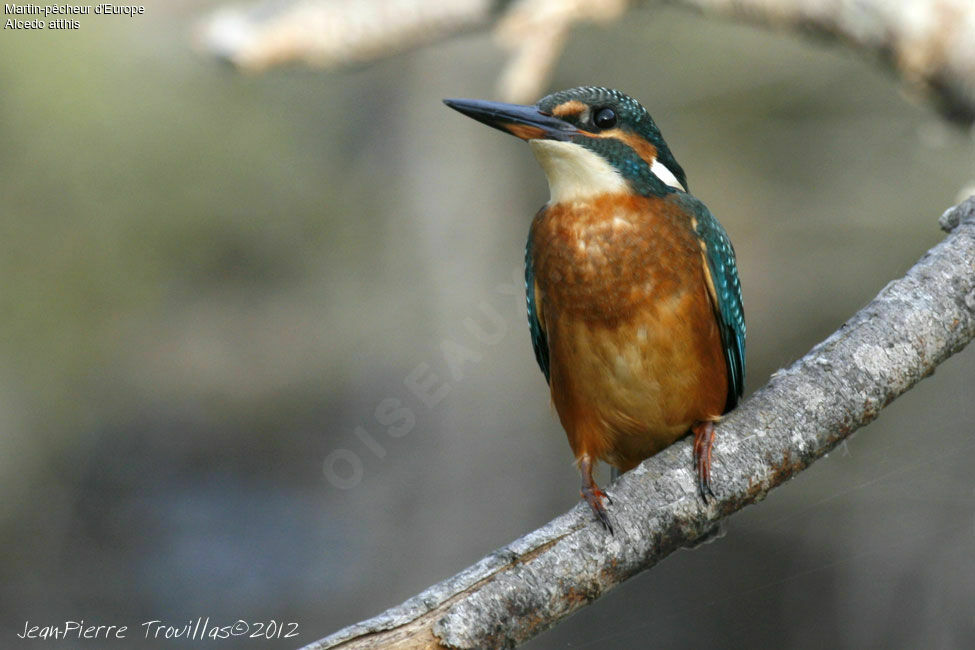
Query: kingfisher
634 301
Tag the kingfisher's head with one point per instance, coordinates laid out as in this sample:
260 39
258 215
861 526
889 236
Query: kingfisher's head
589 140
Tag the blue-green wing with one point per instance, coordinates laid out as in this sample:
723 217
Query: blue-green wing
539 340
721 264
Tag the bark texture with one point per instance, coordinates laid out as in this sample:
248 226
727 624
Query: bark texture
929 43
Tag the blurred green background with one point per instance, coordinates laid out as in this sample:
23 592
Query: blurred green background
210 280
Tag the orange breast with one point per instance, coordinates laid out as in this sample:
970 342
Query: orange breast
634 349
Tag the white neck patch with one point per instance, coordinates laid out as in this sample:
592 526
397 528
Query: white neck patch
574 173
665 175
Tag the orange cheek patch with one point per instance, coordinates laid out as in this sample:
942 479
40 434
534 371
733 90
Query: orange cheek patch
573 107
524 131
642 148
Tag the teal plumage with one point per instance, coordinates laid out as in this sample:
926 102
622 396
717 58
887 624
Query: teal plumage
539 340
722 263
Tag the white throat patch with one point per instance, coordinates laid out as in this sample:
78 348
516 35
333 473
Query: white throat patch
574 173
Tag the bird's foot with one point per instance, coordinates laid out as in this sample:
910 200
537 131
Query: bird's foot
703 441
593 494
594 497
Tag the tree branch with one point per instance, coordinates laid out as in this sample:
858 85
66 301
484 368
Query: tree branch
330 33
929 43
515 593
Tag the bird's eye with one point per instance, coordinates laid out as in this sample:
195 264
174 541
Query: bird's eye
604 118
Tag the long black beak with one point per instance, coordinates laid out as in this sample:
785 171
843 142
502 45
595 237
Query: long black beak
525 122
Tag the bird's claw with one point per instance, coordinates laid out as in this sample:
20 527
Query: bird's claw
703 440
594 497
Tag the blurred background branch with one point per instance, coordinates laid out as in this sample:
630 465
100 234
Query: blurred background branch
929 43
913 325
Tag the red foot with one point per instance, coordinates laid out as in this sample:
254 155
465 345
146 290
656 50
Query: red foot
594 495
703 440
